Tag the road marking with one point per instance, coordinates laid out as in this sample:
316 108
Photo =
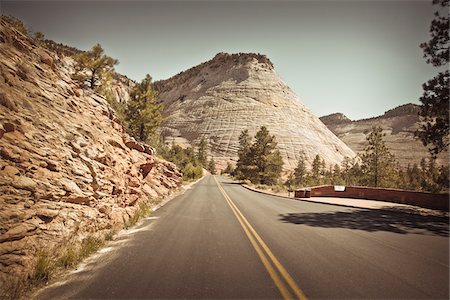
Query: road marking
266 256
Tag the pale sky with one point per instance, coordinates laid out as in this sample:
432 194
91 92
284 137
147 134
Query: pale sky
360 58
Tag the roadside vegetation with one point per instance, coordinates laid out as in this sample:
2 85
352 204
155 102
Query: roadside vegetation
259 161
375 167
434 111
51 262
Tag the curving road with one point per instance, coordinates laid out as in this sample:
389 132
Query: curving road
220 240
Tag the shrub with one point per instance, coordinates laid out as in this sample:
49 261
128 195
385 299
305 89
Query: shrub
44 267
90 245
70 257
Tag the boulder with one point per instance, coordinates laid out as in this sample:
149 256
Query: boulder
115 143
44 57
146 167
134 182
9 127
18 232
10 171
78 199
6 102
133 144
24 183
70 186
149 150
53 165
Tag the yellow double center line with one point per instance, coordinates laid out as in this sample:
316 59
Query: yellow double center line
284 282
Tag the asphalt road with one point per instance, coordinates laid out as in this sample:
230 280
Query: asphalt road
220 240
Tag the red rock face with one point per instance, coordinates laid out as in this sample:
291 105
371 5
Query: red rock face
230 93
67 169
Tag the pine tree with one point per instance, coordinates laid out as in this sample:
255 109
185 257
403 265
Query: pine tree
143 113
243 166
267 160
337 178
378 164
202 153
229 169
300 170
273 168
435 111
316 170
212 166
91 66
259 162
414 176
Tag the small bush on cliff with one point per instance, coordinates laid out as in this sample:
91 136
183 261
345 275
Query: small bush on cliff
16 23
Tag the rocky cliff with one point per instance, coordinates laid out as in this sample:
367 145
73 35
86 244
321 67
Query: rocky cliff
399 125
218 99
67 168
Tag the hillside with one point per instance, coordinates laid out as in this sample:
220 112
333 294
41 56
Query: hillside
67 168
218 99
399 125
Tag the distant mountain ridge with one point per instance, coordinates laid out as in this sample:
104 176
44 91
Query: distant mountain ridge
399 125
220 98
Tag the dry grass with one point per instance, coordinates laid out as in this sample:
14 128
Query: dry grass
143 211
49 262
44 268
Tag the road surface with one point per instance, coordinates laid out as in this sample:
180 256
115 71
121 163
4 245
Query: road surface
220 240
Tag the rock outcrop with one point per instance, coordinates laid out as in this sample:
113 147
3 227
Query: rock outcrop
220 98
399 125
67 168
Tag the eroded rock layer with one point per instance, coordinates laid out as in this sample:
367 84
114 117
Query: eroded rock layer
67 168
219 98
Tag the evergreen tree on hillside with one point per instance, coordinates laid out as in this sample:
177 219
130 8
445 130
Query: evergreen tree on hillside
435 110
143 113
244 169
212 166
202 153
259 162
267 159
229 169
378 164
91 66
316 170
300 170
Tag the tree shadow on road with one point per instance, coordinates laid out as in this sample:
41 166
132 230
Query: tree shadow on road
372 220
